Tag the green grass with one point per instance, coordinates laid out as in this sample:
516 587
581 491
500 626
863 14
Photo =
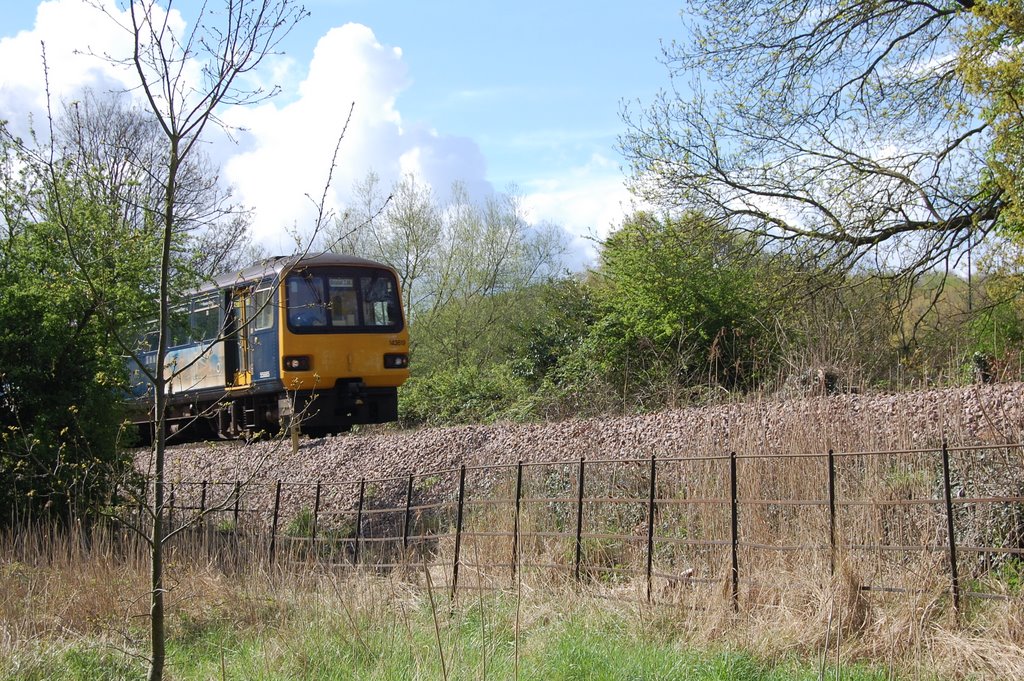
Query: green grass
330 639
83 661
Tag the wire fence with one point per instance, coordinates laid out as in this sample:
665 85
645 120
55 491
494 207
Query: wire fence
901 521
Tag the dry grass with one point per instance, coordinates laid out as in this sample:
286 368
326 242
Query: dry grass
791 604
71 593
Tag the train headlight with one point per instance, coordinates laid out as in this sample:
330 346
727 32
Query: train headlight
396 361
297 363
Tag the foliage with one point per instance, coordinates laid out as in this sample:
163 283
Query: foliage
675 304
992 65
560 316
557 636
682 302
61 374
517 364
996 330
81 661
301 525
79 256
469 393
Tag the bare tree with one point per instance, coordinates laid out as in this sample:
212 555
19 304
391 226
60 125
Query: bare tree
443 252
845 131
227 45
456 260
118 150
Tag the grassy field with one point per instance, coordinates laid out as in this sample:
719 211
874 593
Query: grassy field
80 614
71 609
475 644
311 635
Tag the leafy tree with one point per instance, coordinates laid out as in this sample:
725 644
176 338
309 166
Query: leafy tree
560 315
996 330
682 301
80 254
59 384
115 151
867 133
992 65
548 348
62 371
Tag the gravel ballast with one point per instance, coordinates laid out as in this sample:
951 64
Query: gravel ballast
982 414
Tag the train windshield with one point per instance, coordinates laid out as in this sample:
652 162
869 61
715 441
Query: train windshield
339 300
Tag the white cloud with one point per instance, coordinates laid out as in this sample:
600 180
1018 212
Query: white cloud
71 61
588 202
281 149
286 149
284 145
75 58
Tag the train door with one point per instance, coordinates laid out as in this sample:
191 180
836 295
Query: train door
238 346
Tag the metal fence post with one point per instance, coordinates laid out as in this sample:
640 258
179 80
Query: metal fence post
408 514
515 518
359 521
202 519
650 527
316 515
458 529
579 517
170 508
954 572
832 512
238 500
734 582
273 526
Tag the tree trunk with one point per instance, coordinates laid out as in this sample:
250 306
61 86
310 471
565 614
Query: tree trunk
158 634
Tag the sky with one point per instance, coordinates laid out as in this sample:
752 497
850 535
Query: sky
519 96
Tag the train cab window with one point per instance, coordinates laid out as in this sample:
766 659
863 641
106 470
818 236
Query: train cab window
306 307
380 301
343 300
344 304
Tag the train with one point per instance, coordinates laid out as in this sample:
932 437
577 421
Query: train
316 342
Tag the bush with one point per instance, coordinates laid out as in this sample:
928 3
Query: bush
465 394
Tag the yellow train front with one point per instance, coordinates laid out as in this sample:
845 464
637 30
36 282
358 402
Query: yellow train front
319 341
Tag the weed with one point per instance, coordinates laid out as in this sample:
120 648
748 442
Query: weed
302 524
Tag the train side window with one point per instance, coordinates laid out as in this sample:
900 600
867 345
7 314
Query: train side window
205 319
264 312
179 327
150 340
